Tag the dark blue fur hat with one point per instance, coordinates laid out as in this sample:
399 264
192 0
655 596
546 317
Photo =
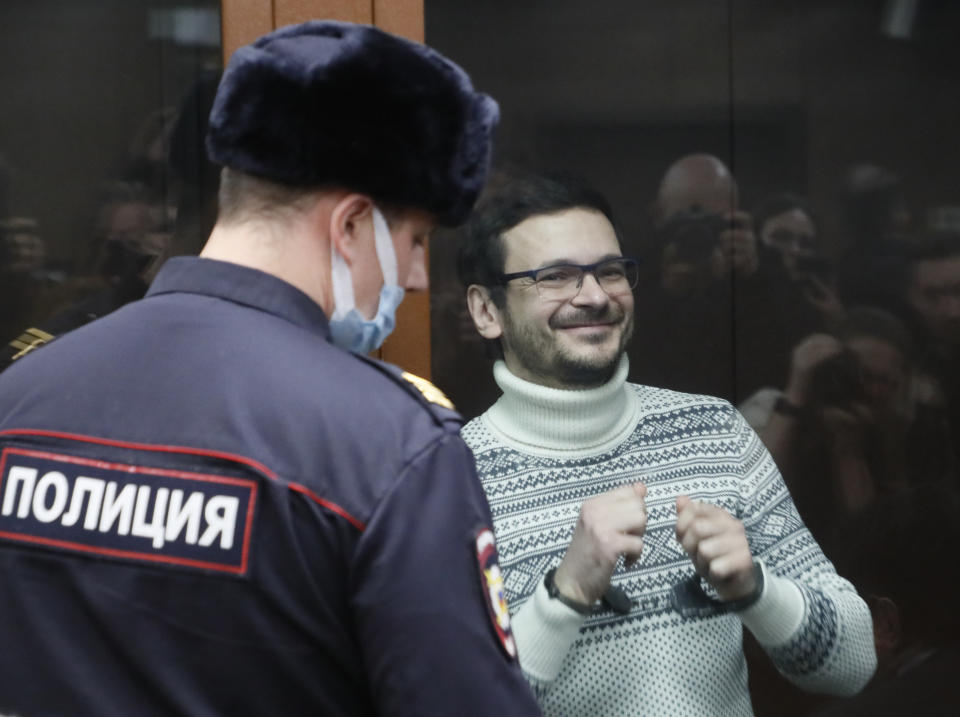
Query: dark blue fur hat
342 105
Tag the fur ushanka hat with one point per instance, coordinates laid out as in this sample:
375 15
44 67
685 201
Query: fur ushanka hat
337 104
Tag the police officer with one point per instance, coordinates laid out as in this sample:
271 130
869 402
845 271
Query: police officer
209 506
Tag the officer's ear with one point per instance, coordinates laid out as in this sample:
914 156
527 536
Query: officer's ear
487 317
351 224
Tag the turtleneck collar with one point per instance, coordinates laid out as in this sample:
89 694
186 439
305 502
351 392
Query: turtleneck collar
539 419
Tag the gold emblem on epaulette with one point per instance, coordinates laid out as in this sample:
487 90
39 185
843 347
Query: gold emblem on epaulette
429 391
28 341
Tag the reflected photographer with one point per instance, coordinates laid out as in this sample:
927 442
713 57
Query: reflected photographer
793 251
707 295
854 422
701 247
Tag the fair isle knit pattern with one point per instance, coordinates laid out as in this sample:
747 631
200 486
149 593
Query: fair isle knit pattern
541 452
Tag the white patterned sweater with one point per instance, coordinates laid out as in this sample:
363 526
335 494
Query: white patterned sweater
541 452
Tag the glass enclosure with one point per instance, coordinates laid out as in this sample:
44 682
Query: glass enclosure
837 121
102 173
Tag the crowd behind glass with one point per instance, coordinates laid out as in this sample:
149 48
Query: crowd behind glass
845 345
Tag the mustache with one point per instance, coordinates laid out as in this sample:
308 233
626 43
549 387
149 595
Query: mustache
610 314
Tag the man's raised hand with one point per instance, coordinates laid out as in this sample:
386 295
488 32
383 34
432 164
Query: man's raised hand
610 525
717 545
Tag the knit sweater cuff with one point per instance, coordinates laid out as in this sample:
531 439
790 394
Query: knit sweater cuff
544 630
777 615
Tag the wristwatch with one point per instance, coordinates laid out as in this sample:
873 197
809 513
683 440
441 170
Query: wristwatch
613 599
554 592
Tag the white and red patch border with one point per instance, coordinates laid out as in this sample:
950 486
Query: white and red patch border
491 583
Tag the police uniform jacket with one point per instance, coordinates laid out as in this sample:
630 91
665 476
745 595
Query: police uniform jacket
208 509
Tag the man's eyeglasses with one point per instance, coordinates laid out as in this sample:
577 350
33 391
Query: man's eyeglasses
564 281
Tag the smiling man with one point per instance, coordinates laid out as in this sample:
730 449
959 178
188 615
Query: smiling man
581 344
639 529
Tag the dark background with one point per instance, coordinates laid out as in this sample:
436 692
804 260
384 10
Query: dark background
788 94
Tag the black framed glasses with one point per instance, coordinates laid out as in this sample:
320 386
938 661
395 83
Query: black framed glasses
615 276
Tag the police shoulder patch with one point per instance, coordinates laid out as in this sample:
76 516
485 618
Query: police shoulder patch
491 583
429 391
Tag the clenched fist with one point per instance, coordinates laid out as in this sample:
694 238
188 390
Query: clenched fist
610 525
717 545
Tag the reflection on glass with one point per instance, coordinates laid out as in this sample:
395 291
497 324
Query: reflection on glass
102 168
787 173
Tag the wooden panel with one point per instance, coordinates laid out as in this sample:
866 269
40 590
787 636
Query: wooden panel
401 17
242 22
291 11
409 345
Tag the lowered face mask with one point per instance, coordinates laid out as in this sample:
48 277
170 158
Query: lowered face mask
348 328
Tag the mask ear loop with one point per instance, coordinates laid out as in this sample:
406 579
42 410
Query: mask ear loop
386 254
342 280
343 297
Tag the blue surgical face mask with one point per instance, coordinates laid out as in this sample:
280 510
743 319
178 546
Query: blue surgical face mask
348 327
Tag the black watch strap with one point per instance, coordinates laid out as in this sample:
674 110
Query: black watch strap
613 599
554 592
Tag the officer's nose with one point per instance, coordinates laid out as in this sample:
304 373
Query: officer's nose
417 277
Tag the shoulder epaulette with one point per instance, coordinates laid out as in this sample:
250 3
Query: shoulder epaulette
29 340
429 391
425 393
26 342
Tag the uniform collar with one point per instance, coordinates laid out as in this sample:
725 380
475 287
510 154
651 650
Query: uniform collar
240 285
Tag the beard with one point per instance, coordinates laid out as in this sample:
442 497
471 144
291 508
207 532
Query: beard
543 355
